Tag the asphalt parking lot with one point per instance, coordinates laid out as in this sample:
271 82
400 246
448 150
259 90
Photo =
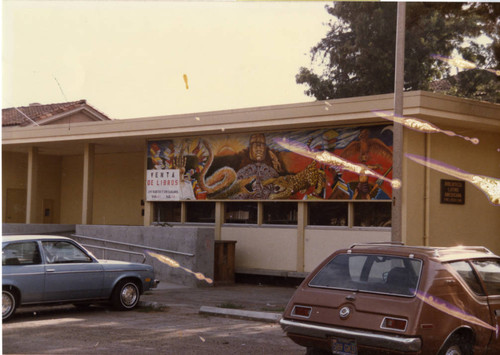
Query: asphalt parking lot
168 321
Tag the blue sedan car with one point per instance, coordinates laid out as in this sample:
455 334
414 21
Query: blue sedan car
50 269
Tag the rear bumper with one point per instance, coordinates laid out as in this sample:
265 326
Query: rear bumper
383 341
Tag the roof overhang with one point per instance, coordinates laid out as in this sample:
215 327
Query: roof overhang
131 134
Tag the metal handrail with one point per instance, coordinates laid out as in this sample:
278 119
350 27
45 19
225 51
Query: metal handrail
118 250
133 245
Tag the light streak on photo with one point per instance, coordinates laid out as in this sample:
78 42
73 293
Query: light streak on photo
420 125
488 185
445 307
172 263
185 77
462 63
329 158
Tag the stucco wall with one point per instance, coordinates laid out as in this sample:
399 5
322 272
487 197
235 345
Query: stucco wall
268 248
71 189
477 222
118 188
321 242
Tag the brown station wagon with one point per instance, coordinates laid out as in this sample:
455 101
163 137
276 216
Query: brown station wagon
388 298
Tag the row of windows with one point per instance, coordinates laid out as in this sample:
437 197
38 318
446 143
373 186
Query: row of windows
342 214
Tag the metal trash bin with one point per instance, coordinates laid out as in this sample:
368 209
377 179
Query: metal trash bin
224 262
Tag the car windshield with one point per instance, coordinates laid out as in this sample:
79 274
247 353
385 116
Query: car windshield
370 273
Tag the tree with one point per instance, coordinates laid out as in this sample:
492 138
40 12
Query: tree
357 54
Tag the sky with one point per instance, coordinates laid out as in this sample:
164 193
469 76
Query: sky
128 58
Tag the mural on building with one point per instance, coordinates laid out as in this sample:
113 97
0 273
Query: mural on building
255 167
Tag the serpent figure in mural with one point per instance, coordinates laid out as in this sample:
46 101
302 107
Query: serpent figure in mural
223 183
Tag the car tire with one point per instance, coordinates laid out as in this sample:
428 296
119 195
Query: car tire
456 345
9 304
125 295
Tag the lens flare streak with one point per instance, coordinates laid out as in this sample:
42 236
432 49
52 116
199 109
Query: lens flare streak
329 158
462 63
488 185
420 125
443 306
172 263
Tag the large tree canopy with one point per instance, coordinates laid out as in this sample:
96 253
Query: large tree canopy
357 55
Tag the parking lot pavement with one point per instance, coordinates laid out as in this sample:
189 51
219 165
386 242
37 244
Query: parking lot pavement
256 302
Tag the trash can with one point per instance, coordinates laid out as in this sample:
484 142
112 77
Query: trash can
224 262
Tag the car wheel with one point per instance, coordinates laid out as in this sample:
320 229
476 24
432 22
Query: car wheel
125 295
456 346
9 304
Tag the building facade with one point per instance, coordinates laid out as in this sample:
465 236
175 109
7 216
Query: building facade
249 175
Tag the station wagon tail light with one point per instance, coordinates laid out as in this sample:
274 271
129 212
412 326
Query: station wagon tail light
394 324
301 311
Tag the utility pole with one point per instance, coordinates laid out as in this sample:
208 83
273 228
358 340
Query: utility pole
397 155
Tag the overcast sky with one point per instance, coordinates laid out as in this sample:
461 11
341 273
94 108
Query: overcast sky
128 58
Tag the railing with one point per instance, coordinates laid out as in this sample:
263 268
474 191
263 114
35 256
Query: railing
128 245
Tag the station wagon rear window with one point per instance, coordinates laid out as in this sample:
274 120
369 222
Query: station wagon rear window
370 273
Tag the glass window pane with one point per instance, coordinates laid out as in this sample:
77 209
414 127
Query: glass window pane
372 214
167 212
25 253
370 273
200 212
328 213
466 272
489 270
280 212
58 252
240 212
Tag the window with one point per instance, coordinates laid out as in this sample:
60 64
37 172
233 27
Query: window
464 269
489 270
167 212
58 252
328 214
25 253
240 212
280 212
200 212
372 214
370 273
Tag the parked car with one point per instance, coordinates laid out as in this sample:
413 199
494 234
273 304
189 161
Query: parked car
50 269
393 298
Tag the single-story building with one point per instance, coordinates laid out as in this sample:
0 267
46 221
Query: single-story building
232 171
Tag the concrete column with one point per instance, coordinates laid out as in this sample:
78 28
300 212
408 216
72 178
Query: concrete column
219 219
88 183
32 193
301 232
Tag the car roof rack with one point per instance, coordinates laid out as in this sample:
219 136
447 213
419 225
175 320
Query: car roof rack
436 250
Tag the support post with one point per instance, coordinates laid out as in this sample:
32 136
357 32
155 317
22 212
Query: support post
88 183
397 194
32 188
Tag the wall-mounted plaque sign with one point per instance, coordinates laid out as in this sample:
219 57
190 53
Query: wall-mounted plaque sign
453 191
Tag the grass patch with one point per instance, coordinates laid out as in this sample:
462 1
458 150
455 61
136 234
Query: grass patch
230 305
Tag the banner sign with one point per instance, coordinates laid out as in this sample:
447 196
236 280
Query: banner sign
163 185
256 167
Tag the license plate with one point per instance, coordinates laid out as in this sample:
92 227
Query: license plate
344 346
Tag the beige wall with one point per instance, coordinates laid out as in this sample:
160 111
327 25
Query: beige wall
477 222
321 242
268 248
14 176
71 189
118 188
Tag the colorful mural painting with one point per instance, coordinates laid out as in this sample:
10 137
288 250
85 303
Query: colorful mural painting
255 167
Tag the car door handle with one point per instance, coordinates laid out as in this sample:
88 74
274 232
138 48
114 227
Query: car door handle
50 270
